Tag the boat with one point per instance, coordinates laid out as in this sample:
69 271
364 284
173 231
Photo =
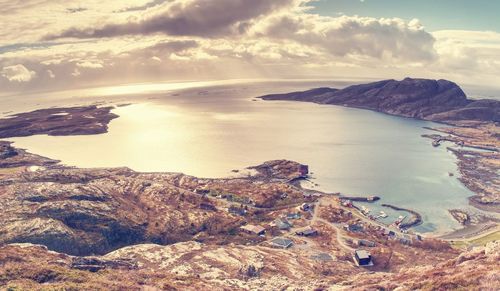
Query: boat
399 220
365 210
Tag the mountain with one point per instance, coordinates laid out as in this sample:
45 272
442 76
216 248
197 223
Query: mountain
435 100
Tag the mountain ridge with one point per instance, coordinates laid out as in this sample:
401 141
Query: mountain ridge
434 100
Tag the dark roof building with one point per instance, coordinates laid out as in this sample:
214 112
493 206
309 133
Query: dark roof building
353 227
306 207
363 258
307 232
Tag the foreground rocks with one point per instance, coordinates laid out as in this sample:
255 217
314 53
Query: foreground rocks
197 266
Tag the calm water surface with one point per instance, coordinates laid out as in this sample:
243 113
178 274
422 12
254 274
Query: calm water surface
210 131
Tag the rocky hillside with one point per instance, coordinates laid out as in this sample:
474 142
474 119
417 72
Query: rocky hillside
436 100
95 211
197 266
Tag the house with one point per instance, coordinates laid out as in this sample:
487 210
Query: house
347 203
282 224
363 258
306 207
281 242
303 170
295 215
353 227
389 232
307 232
406 240
253 229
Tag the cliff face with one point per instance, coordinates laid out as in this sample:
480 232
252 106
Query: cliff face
436 100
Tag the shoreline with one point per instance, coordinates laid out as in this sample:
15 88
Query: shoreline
97 116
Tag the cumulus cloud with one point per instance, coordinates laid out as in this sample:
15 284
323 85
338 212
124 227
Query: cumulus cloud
155 40
185 17
17 73
380 38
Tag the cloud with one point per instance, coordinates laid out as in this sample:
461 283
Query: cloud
142 7
76 73
75 10
90 64
389 39
17 73
51 74
184 17
154 40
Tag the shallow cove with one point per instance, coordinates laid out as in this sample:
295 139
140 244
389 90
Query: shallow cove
209 132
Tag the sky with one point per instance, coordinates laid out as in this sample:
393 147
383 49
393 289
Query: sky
435 14
60 44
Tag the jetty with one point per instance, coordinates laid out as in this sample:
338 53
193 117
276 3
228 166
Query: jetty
414 220
372 198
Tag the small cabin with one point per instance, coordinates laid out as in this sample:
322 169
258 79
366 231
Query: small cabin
353 227
304 170
307 232
281 242
363 258
282 224
253 229
306 207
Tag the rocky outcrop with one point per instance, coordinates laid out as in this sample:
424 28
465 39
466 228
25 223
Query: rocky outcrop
84 212
58 121
11 157
436 100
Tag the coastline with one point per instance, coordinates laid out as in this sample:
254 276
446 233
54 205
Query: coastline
98 117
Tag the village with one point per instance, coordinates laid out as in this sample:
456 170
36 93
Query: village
324 227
